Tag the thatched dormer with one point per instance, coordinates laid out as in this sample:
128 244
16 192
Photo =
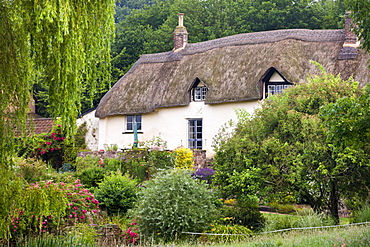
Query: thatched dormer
233 69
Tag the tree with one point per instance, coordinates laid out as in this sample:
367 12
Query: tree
348 129
283 154
64 44
149 29
360 15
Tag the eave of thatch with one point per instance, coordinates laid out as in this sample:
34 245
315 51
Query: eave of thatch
232 67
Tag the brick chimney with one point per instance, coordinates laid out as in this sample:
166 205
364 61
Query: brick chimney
349 49
180 35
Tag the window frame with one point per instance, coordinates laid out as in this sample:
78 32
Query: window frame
195 136
138 119
199 93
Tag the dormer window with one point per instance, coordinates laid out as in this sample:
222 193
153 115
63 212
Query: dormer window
274 82
198 91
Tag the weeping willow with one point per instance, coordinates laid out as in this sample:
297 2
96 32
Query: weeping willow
64 43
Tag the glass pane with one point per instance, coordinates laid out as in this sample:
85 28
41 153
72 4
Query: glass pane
199 129
138 118
199 144
138 126
199 123
271 89
129 118
130 126
199 135
191 144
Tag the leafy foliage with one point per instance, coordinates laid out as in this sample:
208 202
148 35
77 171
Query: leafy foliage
45 207
116 193
48 41
282 154
184 158
149 29
171 203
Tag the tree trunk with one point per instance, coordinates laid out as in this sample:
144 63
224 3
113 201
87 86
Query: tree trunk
334 201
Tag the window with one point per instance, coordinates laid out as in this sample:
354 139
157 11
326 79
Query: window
195 127
131 120
274 82
199 93
198 90
276 89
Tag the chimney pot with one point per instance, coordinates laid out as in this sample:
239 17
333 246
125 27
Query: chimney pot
180 35
181 20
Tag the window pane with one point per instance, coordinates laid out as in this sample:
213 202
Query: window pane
138 126
191 144
199 145
138 118
199 135
129 126
271 89
130 118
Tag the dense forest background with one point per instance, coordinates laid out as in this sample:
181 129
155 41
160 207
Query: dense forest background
146 26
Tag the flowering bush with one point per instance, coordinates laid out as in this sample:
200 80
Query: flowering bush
48 147
131 236
47 206
184 158
204 174
81 204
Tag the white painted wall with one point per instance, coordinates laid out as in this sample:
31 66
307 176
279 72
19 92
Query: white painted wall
92 124
171 124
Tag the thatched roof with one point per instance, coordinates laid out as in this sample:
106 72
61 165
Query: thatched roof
231 67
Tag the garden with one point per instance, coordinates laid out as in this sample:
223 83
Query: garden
145 197
283 177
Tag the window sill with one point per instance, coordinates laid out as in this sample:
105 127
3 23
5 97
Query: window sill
131 132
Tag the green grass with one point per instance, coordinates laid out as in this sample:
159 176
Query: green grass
351 236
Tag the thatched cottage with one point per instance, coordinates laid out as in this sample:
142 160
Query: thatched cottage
184 96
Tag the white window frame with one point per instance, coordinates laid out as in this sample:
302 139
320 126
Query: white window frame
199 93
130 121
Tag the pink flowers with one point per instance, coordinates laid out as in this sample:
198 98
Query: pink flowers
131 236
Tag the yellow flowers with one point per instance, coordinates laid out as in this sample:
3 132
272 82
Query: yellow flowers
184 158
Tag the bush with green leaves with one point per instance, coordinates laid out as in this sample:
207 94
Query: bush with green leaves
29 169
228 233
90 177
242 212
362 215
171 203
184 158
116 194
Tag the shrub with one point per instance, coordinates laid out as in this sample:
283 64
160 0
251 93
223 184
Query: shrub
159 160
116 193
362 215
82 163
204 174
276 222
46 207
184 158
112 164
283 208
243 212
310 220
31 170
171 203
241 232
90 177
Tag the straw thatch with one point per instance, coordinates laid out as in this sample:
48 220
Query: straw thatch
231 67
